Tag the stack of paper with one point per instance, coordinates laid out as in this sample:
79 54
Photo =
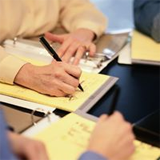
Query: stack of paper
144 50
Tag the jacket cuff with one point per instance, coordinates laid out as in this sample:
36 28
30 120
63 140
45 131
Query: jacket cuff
91 155
9 67
97 29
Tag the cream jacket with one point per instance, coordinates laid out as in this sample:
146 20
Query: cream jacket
29 18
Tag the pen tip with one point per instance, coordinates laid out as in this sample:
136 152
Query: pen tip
80 87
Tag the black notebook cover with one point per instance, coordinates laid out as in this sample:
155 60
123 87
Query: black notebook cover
148 129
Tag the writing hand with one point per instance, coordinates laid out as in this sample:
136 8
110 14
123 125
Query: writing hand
56 79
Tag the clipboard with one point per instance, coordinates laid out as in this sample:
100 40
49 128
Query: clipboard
70 136
34 50
24 97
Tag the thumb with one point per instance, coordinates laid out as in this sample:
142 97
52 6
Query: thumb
54 37
102 118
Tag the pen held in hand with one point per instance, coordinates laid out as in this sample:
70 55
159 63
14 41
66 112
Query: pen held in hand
53 53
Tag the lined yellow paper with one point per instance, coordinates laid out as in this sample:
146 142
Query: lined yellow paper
68 138
91 82
143 48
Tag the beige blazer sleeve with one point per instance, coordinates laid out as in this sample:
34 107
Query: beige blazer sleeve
9 66
28 18
82 14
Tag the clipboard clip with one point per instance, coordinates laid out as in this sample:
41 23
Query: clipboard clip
46 114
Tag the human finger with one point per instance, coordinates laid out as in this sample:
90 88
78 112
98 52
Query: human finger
71 51
73 70
92 49
63 48
64 81
42 153
78 55
116 116
102 118
30 149
55 92
124 152
54 37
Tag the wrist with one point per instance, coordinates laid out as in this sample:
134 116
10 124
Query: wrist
87 33
24 74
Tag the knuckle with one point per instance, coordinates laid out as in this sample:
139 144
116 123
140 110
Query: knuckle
69 91
119 115
72 90
61 50
81 49
79 71
77 59
70 51
58 74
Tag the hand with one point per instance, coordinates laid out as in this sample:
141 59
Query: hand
112 137
55 79
74 44
26 148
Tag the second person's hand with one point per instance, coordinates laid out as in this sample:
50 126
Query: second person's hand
74 44
112 137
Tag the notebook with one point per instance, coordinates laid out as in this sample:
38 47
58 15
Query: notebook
94 85
144 50
147 128
70 136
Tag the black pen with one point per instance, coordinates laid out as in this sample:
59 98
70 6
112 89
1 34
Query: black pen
53 53
114 101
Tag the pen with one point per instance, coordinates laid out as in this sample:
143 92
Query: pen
53 53
114 101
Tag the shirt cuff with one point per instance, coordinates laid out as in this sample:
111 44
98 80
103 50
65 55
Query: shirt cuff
9 67
90 155
97 29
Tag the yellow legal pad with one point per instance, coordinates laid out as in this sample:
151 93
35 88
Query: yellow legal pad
90 84
144 50
68 138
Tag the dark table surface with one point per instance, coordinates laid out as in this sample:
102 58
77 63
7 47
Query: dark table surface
139 87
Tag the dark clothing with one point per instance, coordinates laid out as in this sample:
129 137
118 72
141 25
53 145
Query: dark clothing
147 17
5 150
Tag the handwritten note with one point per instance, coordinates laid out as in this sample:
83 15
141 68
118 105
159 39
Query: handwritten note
69 137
